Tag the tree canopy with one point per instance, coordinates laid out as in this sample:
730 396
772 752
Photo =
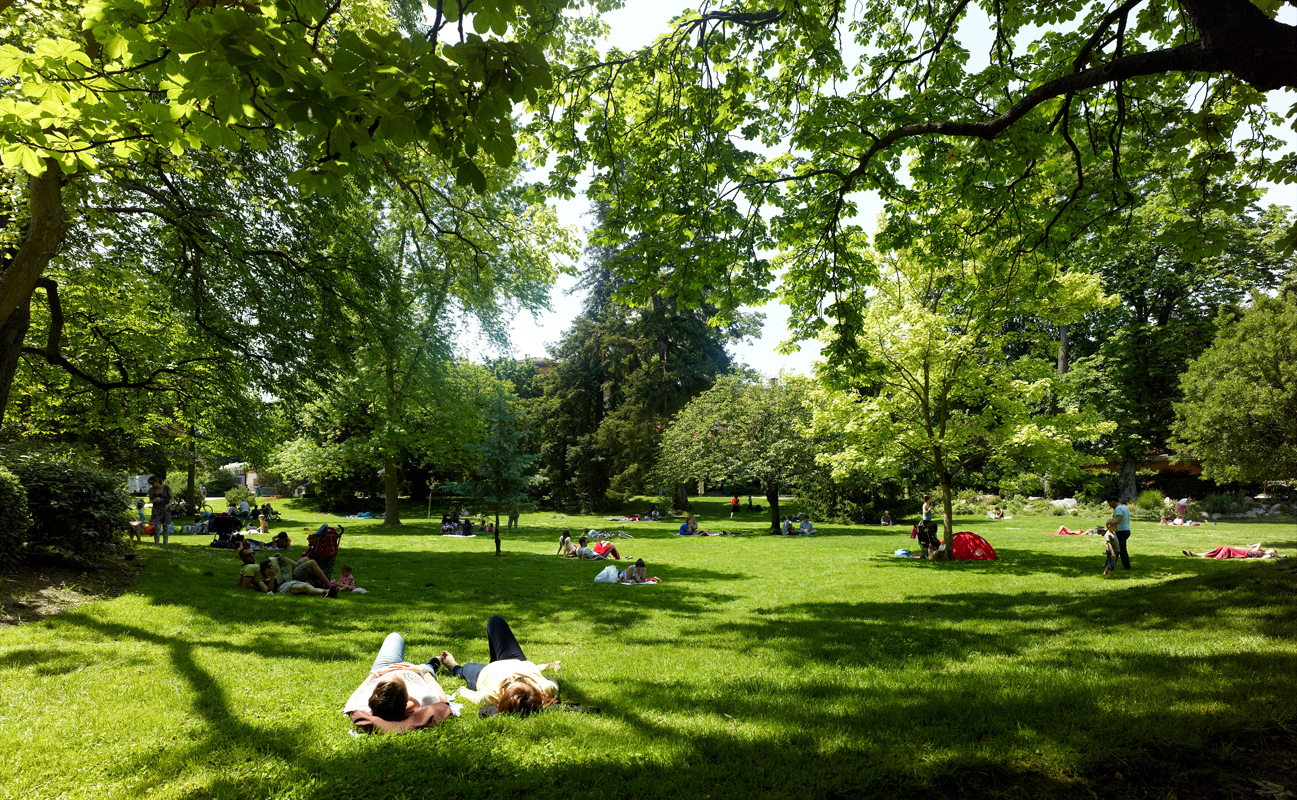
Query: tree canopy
1239 413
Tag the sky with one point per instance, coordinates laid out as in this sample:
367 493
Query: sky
638 25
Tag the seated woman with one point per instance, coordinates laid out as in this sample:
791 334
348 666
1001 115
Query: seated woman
281 541
997 513
1251 551
1165 520
886 519
303 570
787 528
565 543
398 696
689 527
508 680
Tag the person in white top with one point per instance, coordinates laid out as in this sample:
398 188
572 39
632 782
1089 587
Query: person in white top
395 688
508 681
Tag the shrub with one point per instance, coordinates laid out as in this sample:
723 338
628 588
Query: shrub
1151 500
1221 504
220 481
238 494
78 509
15 520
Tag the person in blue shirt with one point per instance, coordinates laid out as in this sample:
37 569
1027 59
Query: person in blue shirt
1120 525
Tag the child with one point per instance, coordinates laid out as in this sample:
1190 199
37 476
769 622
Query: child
346 582
281 541
262 527
1110 545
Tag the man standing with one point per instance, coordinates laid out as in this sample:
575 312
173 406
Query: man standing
1120 525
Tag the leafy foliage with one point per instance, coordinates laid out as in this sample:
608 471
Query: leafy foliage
237 494
220 481
503 470
14 518
77 508
743 428
1239 413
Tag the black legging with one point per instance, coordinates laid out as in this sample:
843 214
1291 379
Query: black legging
503 647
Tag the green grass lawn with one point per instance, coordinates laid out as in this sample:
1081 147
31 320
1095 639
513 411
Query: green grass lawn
760 666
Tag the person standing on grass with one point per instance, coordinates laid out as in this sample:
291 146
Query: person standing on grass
398 696
734 506
160 497
1120 525
508 680
1182 507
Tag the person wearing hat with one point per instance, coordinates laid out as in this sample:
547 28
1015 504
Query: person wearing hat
1120 525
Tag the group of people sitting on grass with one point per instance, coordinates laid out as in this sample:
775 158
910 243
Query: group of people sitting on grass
803 523
399 696
280 573
583 551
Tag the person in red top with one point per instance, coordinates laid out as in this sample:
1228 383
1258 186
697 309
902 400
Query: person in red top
734 506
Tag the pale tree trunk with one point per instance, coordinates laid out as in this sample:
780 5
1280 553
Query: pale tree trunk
12 334
949 520
1126 480
391 484
772 497
391 492
193 472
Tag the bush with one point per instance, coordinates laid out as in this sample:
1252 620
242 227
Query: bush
15 520
1221 504
1151 500
219 481
78 510
238 494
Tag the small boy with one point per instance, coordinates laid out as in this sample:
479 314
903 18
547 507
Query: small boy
1110 546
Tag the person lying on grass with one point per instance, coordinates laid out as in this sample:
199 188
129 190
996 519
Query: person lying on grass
303 570
601 551
398 696
508 680
265 579
1251 551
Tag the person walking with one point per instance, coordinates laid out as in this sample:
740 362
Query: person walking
734 506
1120 525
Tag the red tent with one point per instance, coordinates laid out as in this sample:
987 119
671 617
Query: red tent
970 545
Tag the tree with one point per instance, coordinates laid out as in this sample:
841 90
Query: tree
110 81
1128 359
924 376
503 470
743 429
746 128
1239 413
618 376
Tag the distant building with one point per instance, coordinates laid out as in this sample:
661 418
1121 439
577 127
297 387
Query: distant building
540 363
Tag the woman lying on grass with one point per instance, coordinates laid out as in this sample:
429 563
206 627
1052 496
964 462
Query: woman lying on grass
398 696
264 578
508 681
1222 552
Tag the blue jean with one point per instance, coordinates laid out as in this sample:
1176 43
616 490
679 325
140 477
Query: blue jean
392 652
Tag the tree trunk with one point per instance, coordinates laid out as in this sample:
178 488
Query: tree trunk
391 490
772 497
949 521
497 529
12 334
193 472
680 499
1126 489
1063 350
45 231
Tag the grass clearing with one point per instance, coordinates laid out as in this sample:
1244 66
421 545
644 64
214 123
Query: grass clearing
761 665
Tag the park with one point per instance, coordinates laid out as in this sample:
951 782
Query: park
830 399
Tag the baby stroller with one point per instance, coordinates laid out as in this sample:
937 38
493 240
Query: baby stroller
223 530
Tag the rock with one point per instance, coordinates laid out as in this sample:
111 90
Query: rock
1029 499
1274 509
1067 502
1215 516
990 498
1251 514
1167 502
1247 501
